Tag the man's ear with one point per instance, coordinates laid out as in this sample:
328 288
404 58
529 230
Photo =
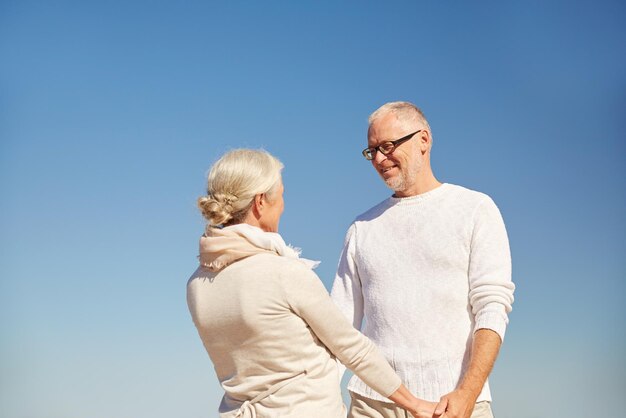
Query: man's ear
425 141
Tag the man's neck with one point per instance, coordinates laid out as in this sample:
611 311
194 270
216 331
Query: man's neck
423 185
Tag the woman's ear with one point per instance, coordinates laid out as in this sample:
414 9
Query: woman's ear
257 205
259 202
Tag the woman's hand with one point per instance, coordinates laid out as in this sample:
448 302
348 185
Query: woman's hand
423 409
417 407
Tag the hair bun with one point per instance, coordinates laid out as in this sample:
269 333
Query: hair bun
217 208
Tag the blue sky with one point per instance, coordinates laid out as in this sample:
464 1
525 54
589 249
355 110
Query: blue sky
111 114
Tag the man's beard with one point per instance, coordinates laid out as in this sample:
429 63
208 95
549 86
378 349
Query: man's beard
395 183
402 181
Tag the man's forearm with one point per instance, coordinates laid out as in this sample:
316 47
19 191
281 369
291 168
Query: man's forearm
460 402
485 348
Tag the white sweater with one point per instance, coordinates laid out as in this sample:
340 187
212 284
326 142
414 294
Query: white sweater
421 275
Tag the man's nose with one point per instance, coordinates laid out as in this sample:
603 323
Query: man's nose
379 157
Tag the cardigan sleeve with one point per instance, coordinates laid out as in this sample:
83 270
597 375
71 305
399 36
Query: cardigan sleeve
491 288
309 299
346 291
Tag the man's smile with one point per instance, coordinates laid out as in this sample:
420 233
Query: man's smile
387 171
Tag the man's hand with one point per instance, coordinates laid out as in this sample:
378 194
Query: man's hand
460 402
457 404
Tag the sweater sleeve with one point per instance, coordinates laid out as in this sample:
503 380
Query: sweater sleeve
309 299
346 291
491 288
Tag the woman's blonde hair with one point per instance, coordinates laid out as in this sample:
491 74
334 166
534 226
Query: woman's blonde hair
234 180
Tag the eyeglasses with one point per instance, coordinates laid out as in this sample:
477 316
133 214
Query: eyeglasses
388 147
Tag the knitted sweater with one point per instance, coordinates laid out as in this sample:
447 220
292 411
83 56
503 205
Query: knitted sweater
420 275
263 320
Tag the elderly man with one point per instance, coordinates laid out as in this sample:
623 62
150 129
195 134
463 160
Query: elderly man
426 274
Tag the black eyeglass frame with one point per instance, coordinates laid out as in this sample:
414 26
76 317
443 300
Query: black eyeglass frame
369 155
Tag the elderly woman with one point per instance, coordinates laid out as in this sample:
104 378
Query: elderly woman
264 317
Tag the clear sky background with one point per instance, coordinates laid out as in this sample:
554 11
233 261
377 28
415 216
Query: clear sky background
112 112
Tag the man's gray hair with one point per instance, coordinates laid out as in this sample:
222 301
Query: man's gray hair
405 112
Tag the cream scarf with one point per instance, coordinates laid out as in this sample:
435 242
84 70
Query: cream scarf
220 247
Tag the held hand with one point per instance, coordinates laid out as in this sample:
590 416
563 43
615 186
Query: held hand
456 404
423 409
417 407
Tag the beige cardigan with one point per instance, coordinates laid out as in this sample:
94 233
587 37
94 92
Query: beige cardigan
265 319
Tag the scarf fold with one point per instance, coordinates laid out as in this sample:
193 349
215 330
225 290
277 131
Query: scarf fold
220 247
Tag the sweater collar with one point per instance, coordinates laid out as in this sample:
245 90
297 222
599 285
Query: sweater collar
221 247
437 191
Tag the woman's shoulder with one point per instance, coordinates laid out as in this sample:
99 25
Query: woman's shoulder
281 265
268 264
